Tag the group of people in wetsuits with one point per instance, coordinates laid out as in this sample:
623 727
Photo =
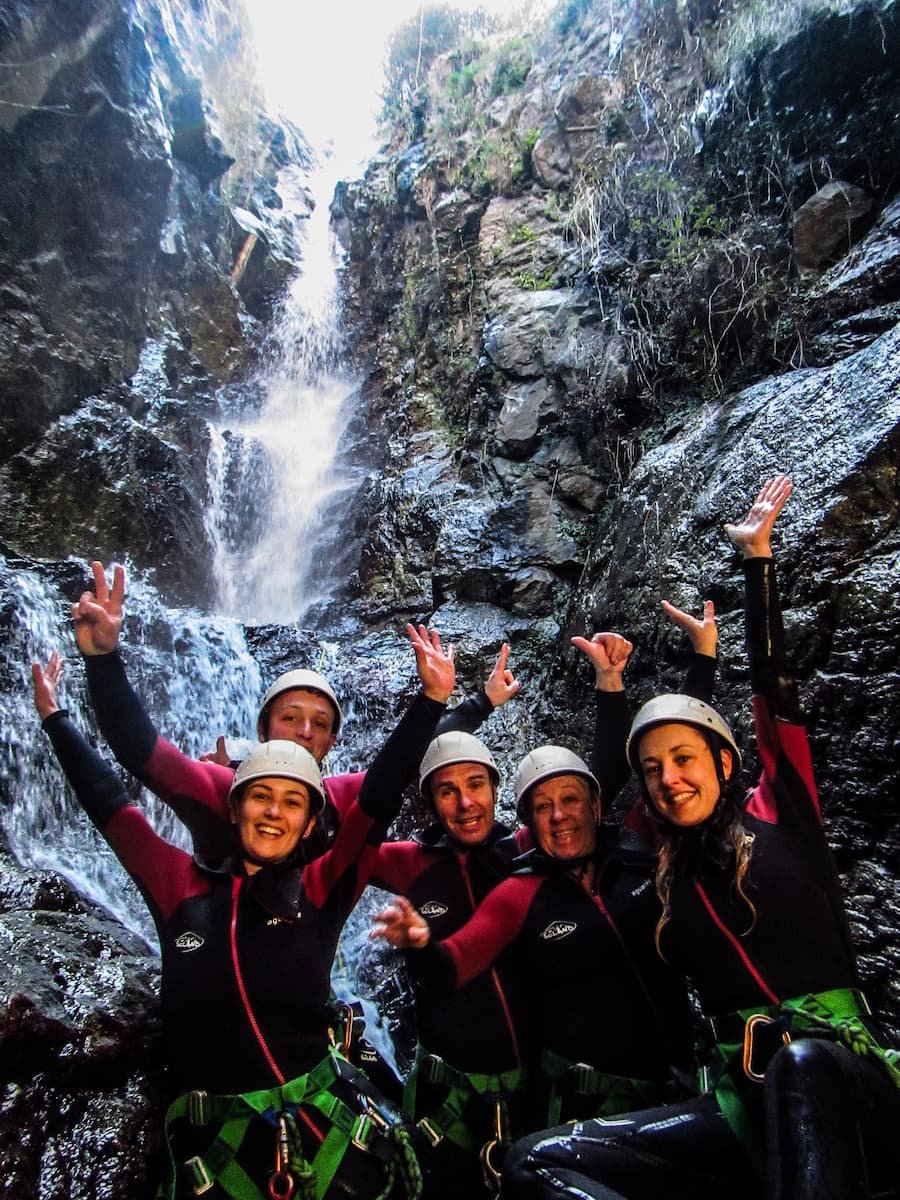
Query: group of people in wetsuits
560 1052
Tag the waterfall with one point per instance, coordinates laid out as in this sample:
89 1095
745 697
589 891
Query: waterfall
277 495
274 473
195 674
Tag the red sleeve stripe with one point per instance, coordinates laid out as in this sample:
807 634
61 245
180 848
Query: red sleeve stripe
497 922
775 739
168 772
166 874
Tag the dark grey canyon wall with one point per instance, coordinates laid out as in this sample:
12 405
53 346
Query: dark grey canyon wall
570 382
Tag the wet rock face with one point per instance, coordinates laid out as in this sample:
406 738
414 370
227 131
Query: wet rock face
112 482
626 355
70 242
80 1096
119 318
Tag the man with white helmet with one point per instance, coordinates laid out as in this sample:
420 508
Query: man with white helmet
466 1087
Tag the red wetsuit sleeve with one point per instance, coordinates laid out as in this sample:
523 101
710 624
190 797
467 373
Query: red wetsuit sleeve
163 873
343 790
495 924
363 829
397 865
786 792
196 791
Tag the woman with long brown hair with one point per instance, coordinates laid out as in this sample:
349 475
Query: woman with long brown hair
801 1093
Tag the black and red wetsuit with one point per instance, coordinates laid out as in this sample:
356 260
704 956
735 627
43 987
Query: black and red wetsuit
246 958
600 994
482 1027
197 792
790 960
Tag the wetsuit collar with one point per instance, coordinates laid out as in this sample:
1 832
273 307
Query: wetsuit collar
434 837
538 862
277 887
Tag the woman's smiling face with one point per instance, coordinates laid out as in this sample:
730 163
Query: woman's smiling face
564 815
272 816
680 773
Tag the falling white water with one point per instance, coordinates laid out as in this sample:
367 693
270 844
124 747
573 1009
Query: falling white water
275 472
197 678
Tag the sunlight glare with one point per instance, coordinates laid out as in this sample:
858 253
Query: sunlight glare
322 66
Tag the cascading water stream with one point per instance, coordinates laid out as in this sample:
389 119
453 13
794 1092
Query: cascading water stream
196 676
275 481
274 474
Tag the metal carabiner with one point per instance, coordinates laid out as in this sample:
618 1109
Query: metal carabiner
755 1022
281 1185
490 1172
281 1181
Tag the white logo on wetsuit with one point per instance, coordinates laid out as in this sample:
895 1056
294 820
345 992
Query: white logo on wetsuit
433 908
186 942
642 887
558 929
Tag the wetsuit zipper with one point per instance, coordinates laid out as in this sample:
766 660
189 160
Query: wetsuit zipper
236 883
501 995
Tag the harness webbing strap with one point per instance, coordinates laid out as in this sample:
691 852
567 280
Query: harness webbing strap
616 1093
838 1014
449 1120
371 1131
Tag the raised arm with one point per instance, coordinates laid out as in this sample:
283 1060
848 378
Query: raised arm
753 535
608 653
396 764
156 866
354 854
763 628
196 791
703 634
500 686
98 614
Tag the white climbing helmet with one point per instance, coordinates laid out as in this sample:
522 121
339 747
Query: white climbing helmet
283 760
451 748
674 708
544 763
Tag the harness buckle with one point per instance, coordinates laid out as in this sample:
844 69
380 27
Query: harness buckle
433 1066
198 1170
433 1135
583 1079
755 1023
361 1131
198 1108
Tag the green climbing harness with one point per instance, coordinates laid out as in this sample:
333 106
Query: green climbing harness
746 1041
614 1093
375 1127
468 1100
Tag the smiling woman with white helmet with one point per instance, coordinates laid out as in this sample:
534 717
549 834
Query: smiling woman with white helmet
751 910
263 1106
